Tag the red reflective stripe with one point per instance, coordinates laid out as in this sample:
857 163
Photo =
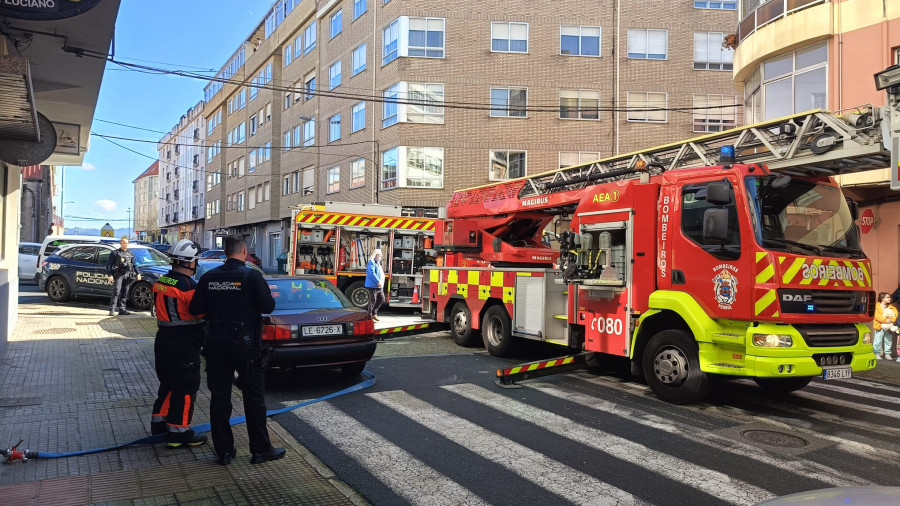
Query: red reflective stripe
164 410
187 409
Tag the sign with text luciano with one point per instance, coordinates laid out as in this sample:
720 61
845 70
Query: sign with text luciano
44 10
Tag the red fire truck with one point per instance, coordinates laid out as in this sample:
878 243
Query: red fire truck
731 255
335 239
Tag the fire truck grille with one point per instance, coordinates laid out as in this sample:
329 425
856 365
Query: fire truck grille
802 301
830 301
823 336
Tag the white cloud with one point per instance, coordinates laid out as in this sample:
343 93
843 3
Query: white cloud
106 204
88 166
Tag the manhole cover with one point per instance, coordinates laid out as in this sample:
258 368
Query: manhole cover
774 438
53 331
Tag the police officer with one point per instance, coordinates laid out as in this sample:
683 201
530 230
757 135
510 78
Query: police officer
121 271
233 297
179 339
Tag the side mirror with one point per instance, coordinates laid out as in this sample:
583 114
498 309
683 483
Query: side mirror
854 208
718 193
715 224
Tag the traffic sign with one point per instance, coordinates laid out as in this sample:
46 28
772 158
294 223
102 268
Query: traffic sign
867 221
107 231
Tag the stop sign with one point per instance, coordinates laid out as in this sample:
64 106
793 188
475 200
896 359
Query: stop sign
867 221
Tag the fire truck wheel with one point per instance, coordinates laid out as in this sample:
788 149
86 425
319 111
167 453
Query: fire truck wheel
461 325
496 331
672 367
358 295
782 385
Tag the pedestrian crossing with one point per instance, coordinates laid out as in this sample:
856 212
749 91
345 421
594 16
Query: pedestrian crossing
585 439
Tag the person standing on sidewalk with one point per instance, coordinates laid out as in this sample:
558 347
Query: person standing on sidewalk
885 325
233 297
375 283
176 350
121 270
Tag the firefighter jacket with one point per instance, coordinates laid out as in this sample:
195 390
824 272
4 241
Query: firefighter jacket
233 294
121 263
172 295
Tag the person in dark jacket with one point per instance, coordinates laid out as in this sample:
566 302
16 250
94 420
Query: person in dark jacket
179 339
234 297
121 270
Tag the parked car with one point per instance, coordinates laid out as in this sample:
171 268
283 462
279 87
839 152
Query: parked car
218 254
315 325
80 269
162 248
54 242
28 260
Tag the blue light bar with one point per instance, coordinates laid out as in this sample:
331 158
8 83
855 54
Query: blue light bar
727 154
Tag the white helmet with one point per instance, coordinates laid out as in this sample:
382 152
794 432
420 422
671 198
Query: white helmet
185 250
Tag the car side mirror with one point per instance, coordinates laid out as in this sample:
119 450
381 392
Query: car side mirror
854 208
715 224
718 193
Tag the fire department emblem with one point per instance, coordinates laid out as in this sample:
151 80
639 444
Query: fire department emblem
726 287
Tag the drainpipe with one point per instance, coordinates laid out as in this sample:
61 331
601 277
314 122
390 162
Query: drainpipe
840 57
616 43
374 116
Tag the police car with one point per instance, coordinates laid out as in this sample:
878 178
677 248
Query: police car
80 269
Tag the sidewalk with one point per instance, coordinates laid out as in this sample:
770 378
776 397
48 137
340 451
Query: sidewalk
73 378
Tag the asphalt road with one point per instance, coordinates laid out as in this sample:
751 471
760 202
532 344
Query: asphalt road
436 429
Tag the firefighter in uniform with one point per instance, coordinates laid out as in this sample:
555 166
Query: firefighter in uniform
233 297
179 339
121 271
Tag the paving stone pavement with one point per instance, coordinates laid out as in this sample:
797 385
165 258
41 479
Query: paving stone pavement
73 378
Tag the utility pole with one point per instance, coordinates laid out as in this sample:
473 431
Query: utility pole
129 223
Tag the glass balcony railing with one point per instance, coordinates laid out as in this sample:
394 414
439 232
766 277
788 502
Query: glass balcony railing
765 13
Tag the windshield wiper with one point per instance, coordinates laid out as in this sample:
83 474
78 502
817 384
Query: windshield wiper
808 247
842 249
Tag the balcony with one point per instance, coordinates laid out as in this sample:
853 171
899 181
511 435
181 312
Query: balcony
168 195
194 213
196 186
175 218
176 195
167 219
768 12
196 134
196 160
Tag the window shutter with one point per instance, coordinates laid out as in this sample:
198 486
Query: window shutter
700 50
637 42
657 42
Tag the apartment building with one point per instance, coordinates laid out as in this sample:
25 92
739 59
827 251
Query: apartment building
146 204
182 178
396 102
797 55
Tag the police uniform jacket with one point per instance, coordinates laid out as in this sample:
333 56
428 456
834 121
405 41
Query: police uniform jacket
121 263
233 293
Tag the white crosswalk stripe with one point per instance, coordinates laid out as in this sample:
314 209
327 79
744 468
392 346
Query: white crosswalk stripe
406 475
550 474
707 480
865 395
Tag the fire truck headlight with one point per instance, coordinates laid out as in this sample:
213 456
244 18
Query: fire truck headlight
772 340
867 338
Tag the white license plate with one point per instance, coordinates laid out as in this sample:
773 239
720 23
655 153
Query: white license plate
323 330
837 373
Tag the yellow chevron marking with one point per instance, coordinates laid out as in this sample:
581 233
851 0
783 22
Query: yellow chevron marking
792 270
473 277
523 274
453 276
496 279
776 314
568 360
514 370
766 274
760 255
866 272
781 260
826 281
764 301
433 275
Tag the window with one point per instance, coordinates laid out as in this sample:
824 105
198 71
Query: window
334 128
648 44
579 40
792 83
390 106
298 46
309 37
334 180
309 84
254 88
251 198
286 141
720 5
710 116
309 132
287 100
309 175
286 185
240 200
579 104
240 165
640 107
509 102
267 193
358 173
334 75
358 117
253 125
241 133
709 54
509 37
569 158
359 8
358 59
389 168
213 121
896 52
390 42
421 97
507 164
426 37
693 208
295 182
424 168
288 54
253 155
268 112
336 22
297 136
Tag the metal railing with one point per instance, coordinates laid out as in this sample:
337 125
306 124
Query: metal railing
770 11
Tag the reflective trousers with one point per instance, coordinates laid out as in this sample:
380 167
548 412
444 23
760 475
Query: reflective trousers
178 370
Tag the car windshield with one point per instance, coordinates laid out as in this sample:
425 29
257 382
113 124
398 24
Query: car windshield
148 256
306 294
800 216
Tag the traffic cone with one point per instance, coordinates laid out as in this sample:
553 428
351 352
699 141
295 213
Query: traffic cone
415 299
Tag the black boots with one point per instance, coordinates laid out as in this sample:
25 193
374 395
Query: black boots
225 459
272 454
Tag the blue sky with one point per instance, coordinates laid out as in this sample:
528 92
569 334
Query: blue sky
192 34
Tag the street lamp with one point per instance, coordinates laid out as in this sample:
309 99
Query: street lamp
129 223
